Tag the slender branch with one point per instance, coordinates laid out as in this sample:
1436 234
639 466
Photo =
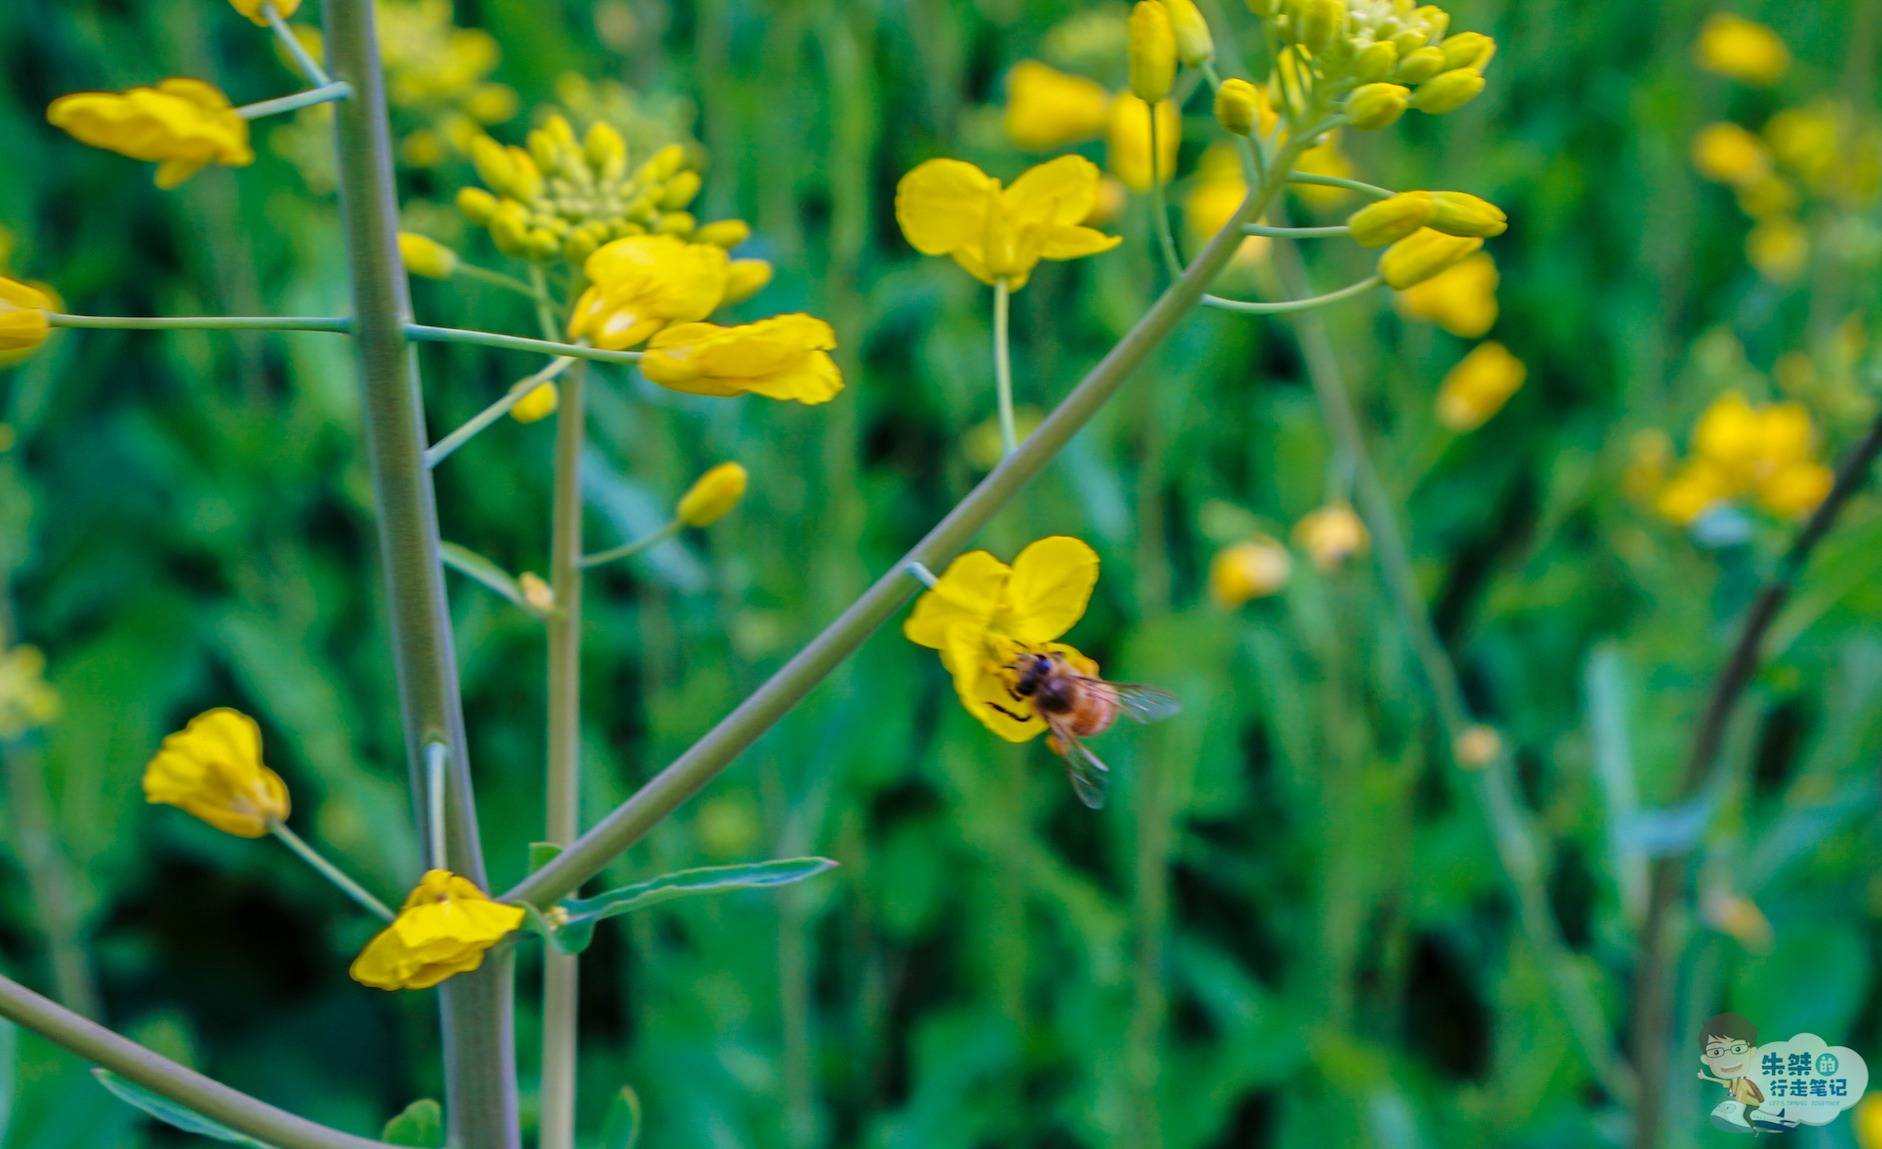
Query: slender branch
1373 190
1003 366
1331 231
297 51
739 729
480 1057
424 334
1289 306
159 1074
1159 203
325 94
328 870
441 450
629 550
1653 976
330 324
496 279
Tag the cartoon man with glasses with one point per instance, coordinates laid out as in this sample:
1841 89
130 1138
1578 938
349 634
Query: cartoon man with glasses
1727 1046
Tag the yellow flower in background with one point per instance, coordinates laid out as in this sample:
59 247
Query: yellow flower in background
1477 747
981 614
1779 248
1213 195
952 208
1766 455
27 700
1728 154
1868 1122
1476 389
1255 568
444 928
426 257
745 278
1127 144
252 9
713 495
212 769
641 284
1332 535
1047 109
1151 51
23 323
1461 300
1835 152
1323 159
540 403
1741 49
181 125
784 357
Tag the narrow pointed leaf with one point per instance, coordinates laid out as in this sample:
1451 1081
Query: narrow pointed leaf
468 562
170 1113
583 913
420 1125
621 1130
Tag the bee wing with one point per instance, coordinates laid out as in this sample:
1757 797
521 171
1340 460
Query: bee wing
1138 702
1089 776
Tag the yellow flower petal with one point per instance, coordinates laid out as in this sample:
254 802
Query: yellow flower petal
444 928
212 769
180 124
1060 191
942 205
785 357
967 593
1049 589
1047 109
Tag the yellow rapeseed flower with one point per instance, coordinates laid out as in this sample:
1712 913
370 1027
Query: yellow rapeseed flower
1423 254
1476 389
784 357
1194 44
540 403
1151 51
1461 300
1047 109
713 495
981 614
1728 154
952 208
1127 143
27 700
426 257
212 769
1332 535
443 929
23 324
1477 747
1255 568
1766 455
1779 248
1741 49
1868 1122
1242 109
181 125
640 284
1213 196
252 9
1452 213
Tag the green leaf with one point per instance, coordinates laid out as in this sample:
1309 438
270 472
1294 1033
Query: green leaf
541 854
420 1125
621 1129
468 562
170 1113
575 934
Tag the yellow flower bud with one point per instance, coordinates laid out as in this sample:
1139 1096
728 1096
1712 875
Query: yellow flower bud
426 257
1477 747
1194 46
1423 254
1459 213
493 163
1447 92
1375 106
538 595
253 9
1472 50
1238 107
1320 21
1248 570
1390 220
1730 45
605 150
477 205
745 278
1478 387
1729 154
212 769
443 929
1152 52
537 405
726 233
713 496
23 323
1419 66
1375 62
680 190
1332 535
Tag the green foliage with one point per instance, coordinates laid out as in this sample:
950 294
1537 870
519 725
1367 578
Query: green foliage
420 1125
171 1113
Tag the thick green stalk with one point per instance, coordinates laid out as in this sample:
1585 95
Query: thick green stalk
480 1058
159 1074
560 988
785 689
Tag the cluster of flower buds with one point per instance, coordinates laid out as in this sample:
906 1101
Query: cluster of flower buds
1383 56
563 197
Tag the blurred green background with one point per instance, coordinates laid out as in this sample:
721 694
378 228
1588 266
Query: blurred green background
1290 927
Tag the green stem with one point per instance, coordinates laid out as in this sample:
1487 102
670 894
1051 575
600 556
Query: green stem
480 1059
560 984
328 870
1003 366
441 450
303 60
49 879
495 278
786 688
1373 190
331 324
424 334
159 1074
1159 204
629 550
1290 306
325 94
437 790
1329 232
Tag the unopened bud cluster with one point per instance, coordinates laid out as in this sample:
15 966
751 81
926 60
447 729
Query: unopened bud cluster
1384 55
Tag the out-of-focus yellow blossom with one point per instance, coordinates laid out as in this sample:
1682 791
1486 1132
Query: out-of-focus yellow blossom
23 323
253 9
1744 50
1728 154
1151 52
181 125
1323 159
1461 300
1047 109
1332 535
1341 46
1477 747
1737 917
1453 213
1217 189
538 595
1868 1122
639 285
1423 254
212 769
745 278
1379 105
444 929
1248 570
952 208
1833 151
1779 248
1649 458
1194 45
27 700
424 256
1127 144
984 444
1766 455
981 614
784 357
540 403
713 495
1242 109
1476 389
1772 195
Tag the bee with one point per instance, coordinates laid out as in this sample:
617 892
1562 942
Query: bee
1076 706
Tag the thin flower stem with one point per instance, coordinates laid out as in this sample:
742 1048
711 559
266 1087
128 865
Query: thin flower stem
1159 204
629 550
495 278
785 689
1330 232
212 1099
328 870
1373 190
304 60
1289 306
424 334
1003 366
921 574
324 94
437 788
441 450
545 307
330 324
